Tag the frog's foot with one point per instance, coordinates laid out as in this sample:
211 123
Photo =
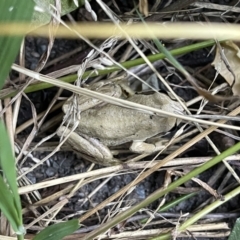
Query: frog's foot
142 147
100 153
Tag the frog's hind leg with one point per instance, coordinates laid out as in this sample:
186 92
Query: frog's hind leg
100 153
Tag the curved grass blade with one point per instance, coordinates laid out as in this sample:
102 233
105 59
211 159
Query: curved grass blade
12 11
41 18
7 205
7 163
236 231
58 231
9 198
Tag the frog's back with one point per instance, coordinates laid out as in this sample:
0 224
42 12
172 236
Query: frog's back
114 125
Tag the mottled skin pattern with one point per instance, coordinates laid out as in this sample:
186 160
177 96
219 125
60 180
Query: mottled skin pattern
114 125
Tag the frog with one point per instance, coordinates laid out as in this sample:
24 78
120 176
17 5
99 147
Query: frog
103 125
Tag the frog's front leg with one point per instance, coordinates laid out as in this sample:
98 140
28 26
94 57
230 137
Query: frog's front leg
100 153
142 147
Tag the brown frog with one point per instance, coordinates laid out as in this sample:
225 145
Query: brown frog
104 125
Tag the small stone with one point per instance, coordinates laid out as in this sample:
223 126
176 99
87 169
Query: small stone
55 165
50 171
31 177
35 54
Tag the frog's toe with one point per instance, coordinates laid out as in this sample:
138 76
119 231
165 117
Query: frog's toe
142 147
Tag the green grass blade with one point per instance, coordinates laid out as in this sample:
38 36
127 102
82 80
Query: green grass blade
162 49
12 11
236 231
58 231
7 163
7 205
